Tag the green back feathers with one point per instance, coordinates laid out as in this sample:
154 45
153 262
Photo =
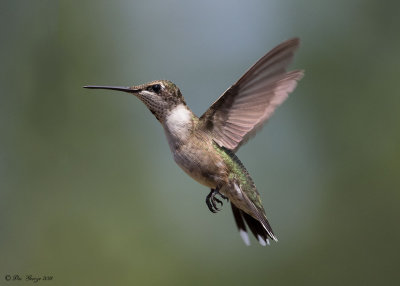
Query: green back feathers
240 175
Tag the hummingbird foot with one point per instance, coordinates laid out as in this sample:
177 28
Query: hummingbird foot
224 197
212 201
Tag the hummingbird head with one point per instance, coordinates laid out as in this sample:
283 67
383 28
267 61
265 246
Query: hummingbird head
160 96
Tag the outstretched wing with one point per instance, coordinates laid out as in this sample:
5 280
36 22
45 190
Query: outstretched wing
247 104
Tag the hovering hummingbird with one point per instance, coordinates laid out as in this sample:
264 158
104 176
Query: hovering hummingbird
204 147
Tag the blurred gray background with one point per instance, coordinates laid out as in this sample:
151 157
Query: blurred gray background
89 192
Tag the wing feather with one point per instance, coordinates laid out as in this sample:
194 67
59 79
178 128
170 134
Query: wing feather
247 105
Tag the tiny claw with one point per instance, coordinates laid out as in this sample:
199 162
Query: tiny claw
209 205
224 197
218 201
212 200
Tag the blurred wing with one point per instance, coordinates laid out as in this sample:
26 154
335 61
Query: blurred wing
246 105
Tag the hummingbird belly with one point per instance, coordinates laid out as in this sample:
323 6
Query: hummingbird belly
202 163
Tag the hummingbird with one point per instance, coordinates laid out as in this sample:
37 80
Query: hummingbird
204 147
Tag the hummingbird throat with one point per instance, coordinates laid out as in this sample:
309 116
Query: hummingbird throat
178 124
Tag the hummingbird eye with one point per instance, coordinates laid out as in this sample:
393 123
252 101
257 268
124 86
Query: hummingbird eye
156 88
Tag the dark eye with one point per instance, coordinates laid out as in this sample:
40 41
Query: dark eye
156 88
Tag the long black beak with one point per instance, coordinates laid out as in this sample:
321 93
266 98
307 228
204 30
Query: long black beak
119 88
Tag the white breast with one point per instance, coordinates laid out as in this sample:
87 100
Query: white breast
178 124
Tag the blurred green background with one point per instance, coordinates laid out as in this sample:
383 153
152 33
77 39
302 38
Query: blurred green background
89 192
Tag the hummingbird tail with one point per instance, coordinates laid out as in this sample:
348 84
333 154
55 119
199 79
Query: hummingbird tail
255 226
